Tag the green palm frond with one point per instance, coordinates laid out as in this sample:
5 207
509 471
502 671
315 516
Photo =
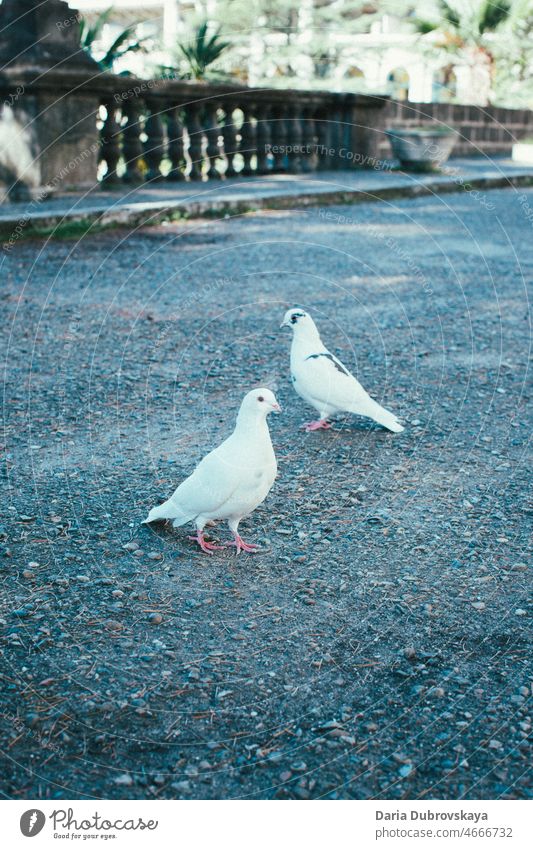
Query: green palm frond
450 14
203 50
91 33
123 43
493 15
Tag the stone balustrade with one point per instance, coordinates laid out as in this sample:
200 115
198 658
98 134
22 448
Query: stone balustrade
65 124
171 130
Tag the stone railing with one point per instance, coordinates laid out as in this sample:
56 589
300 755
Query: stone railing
66 125
173 130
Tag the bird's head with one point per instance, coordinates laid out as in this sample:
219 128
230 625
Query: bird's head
300 321
259 403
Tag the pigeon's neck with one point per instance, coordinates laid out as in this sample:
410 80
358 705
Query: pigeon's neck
252 424
307 340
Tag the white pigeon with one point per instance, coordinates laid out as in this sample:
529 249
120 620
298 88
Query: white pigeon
321 379
232 480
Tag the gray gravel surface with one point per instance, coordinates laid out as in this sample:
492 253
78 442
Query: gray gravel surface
377 647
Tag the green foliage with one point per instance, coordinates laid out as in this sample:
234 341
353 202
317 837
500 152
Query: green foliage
203 51
281 25
498 32
492 15
124 43
468 21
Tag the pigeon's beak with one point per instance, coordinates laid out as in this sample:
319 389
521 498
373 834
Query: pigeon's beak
276 408
284 324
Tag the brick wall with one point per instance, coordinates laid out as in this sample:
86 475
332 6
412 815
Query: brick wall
490 130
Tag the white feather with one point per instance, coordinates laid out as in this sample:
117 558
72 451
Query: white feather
233 479
320 378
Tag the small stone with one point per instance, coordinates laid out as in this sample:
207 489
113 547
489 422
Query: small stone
154 555
155 619
286 775
520 612
131 546
113 625
478 605
436 692
124 780
181 786
405 770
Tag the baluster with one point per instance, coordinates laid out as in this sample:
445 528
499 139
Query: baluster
213 148
248 140
196 141
322 132
175 144
279 139
335 136
154 146
308 141
131 141
294 133
110 142
231 143
263 138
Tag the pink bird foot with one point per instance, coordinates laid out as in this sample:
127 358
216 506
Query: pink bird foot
241 545
206 546
322 424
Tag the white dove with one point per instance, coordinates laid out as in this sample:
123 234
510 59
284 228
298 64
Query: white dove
232 480
321 379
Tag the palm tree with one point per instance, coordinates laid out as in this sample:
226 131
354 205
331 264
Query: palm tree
467 28
125 42
202 52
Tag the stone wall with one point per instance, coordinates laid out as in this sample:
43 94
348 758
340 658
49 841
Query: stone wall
490 130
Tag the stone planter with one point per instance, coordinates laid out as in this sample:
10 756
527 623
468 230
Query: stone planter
421 148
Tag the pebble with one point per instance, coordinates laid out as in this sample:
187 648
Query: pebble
478 605
124 780
155 619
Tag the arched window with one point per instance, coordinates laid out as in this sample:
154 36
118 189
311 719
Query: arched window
398 83
354 73
444 85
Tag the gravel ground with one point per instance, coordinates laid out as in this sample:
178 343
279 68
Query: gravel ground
377 647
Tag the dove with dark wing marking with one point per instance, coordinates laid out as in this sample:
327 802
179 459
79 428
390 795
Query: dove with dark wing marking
231 481
324 382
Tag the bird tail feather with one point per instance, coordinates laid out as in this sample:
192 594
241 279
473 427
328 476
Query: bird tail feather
380 415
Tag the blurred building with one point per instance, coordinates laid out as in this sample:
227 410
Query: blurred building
387 58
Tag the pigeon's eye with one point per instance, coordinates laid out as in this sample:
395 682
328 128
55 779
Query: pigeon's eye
260 398
294 319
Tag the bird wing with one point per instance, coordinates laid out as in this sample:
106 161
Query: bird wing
326 380
212 483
